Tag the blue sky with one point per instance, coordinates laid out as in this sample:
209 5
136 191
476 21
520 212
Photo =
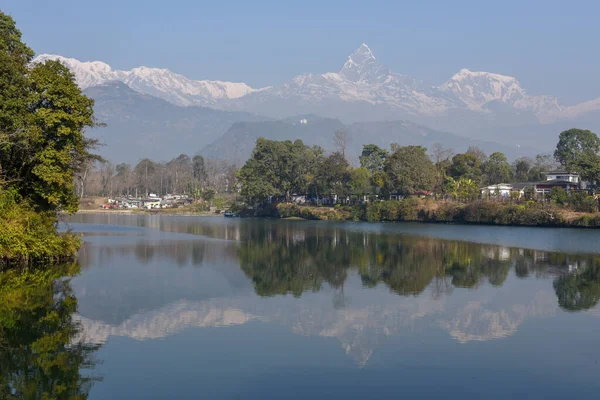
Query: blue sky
550 46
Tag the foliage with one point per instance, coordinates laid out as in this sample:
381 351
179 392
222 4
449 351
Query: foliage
466 165
360 181
29 236
42 356
410 170
497 169
43 115
559 196
333 175
582 202
574 145
278 168
373 158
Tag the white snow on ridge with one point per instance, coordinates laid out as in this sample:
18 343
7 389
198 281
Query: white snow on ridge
154 81
362 79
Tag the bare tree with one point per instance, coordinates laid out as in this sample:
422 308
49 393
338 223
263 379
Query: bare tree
341 140
439 154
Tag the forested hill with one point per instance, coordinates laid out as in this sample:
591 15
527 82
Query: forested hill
237 143
141 126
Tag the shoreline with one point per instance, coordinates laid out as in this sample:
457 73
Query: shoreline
151 212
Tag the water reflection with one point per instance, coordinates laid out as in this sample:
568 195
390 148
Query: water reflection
42 352
361 287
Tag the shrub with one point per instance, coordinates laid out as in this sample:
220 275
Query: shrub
559 196
409 209
373 211
28 237
582 202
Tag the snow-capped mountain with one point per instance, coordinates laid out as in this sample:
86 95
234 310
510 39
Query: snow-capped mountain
157 82
363 89
363 82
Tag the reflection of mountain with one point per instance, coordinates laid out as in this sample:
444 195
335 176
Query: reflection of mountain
360 329
356 285
477 322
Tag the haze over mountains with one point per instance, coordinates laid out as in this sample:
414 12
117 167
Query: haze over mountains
479 105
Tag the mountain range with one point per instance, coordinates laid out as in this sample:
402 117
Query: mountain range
480 106
362 79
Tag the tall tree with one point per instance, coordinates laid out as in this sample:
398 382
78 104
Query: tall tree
573 145
43 116
497 169
410 170
522 166
278 168
373 158
466 165
333 175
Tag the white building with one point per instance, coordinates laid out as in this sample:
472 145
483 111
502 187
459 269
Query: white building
562 176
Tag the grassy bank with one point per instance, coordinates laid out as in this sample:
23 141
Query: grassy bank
418 210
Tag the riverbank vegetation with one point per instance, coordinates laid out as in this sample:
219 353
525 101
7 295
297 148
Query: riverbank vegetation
43 115
409 183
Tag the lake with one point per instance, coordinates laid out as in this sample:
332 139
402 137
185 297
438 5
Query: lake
170 307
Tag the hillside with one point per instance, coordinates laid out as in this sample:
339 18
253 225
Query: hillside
139 126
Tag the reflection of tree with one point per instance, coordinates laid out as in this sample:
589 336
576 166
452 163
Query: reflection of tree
40 357
579 290
280 260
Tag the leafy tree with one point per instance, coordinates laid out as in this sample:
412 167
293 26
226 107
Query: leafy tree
199 168
466 189
466 165
360 179
522 166
559 196
410 170
373 158
278 168
572 145
333 174
497 169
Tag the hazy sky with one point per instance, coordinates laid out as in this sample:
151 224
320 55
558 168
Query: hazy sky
550 46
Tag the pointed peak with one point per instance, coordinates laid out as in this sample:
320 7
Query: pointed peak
363 52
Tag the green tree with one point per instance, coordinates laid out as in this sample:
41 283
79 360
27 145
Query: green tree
333 174
410 170
360 181
466 165
522 166
559 196
278 168
42 355
574 145
373 158
497 169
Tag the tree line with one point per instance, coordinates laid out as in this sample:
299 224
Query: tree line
283 168
196 177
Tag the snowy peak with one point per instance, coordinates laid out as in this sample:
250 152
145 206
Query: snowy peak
86 73
476 89
158 82
363 66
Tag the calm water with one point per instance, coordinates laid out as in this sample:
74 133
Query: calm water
191 308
